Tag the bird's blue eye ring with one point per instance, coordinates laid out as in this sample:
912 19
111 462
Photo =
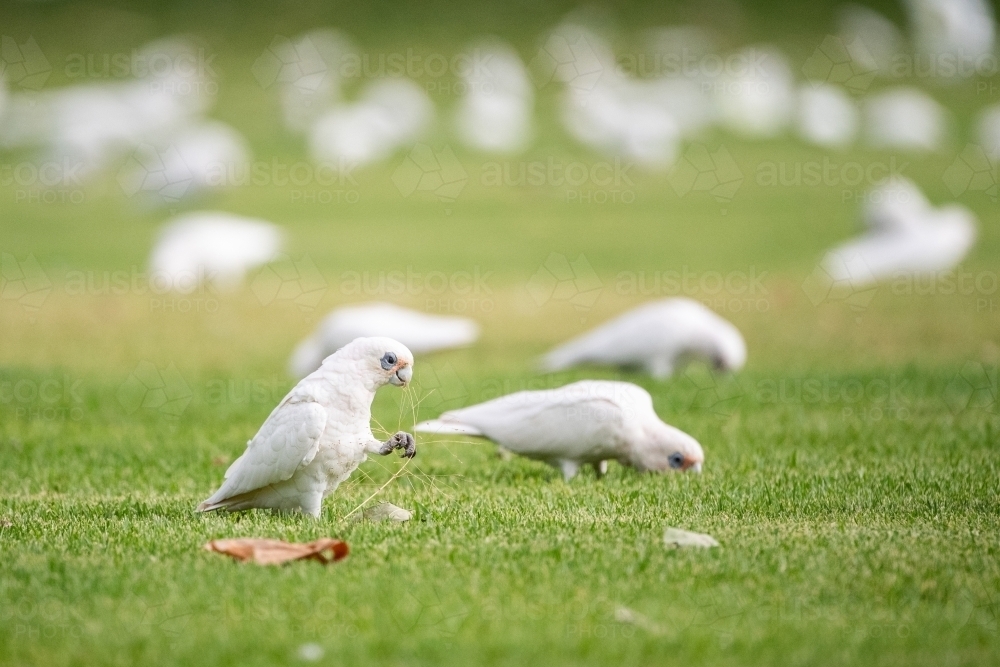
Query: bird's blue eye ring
388 360
676 460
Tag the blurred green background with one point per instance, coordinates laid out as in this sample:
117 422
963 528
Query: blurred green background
858 527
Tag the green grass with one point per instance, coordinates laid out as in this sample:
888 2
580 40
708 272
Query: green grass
851 470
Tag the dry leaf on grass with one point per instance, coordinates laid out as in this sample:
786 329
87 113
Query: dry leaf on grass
384 512
275 552
676 538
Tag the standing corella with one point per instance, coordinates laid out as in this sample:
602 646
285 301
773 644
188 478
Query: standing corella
585 422
319 433
660 337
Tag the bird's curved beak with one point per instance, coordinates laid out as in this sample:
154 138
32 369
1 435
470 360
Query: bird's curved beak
696 467
402 376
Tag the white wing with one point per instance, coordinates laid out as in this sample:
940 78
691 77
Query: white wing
584 420
288 440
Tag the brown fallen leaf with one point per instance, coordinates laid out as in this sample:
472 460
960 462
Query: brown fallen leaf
275 552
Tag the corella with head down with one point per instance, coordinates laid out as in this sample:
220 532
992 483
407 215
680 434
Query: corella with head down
586 422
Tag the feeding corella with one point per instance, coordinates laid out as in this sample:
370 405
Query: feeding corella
318 434
211 247
907 237
420 332
660 337
587 422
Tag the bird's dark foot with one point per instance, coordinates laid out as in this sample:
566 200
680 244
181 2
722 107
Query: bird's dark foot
402 440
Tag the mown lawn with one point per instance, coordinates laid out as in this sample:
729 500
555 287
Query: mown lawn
852 470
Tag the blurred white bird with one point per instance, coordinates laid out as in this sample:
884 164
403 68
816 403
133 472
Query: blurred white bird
685 100
495 111
319 433
585 422
906 118
871 40
908 236
390 114
827 116
962 29
988 132
420 332
94 124
756 95
197 157
211 247
311 76
895 205
660 337
623 118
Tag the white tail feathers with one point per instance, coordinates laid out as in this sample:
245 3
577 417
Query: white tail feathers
446 427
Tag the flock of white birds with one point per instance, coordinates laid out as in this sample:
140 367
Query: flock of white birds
320 432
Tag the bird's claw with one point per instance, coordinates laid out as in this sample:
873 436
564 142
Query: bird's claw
402 440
